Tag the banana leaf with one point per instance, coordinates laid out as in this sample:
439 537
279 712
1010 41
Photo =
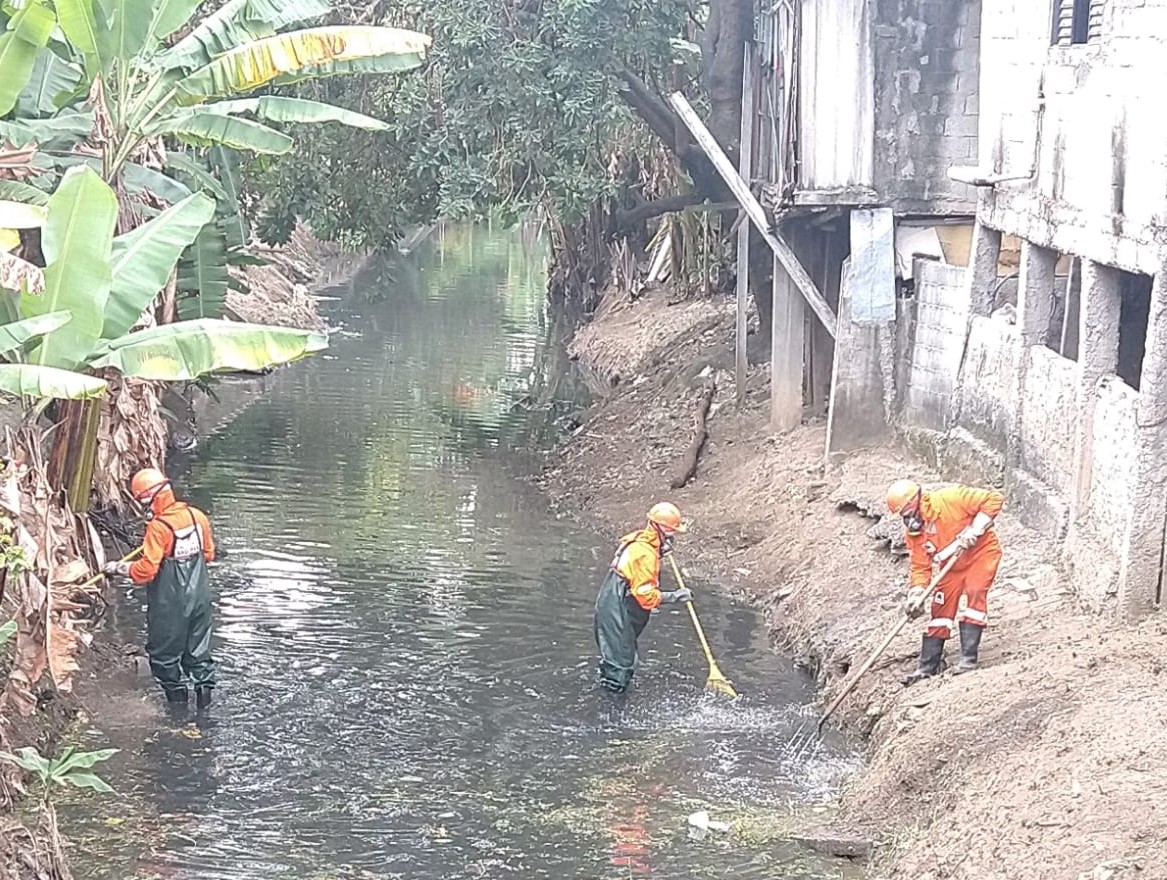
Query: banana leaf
17 215
62 131
16 191
195 173
16 334
189 349
76 240
225 162
169 16
208 129
52 81
33 380
78 19
304 54
237 23
143 259
139 178
279 109
203 280
127 28
28 32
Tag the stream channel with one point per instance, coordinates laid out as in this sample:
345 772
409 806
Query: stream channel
404 636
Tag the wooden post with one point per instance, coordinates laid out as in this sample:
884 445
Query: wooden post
745 168
754 210
787 334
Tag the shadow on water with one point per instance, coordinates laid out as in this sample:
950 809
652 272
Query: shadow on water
404 636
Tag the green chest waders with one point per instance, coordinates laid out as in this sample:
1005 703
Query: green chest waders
178 618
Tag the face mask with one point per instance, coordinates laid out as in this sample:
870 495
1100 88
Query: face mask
666 545
913 522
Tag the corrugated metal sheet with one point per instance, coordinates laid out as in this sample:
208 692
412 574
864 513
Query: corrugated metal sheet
836 101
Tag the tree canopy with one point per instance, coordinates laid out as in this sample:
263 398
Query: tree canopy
523 103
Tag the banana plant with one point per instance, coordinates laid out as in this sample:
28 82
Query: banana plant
97 287
141 88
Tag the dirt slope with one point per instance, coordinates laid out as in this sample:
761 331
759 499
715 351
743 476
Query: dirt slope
1049 762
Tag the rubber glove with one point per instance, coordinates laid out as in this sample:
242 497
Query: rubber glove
914 604
682 595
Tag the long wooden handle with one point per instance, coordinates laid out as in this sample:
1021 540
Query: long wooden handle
895 631
100 574
692 612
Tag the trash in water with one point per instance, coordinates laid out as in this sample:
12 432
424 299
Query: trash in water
700 824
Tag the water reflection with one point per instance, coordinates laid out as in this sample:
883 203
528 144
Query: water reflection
405 635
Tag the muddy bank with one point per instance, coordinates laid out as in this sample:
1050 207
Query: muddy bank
1049 762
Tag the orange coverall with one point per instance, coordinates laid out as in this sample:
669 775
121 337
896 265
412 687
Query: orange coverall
627 596
170 516
945 513
638 563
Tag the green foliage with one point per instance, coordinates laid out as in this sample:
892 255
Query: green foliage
70 768
97 286
518 108
14 560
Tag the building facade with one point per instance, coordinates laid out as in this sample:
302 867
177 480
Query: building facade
1058 385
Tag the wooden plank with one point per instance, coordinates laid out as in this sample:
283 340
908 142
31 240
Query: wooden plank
745 168
787 340
754 210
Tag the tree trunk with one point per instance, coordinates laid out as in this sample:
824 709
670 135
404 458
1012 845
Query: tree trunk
74 451
730 27
133 435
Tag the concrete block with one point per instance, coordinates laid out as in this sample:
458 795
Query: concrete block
971 460
1038 505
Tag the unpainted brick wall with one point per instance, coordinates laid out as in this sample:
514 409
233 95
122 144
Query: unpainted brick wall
927 58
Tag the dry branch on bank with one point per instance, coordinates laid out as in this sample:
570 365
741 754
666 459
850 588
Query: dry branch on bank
700 435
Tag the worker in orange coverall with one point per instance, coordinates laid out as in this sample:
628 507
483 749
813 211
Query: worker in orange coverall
940 524
173 568
631 591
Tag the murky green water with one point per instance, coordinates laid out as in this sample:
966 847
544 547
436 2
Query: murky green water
404 638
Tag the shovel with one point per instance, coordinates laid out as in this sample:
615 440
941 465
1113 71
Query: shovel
895 631
716 681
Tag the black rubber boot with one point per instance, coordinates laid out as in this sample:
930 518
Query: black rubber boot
202 699
970 645
177 702
931 653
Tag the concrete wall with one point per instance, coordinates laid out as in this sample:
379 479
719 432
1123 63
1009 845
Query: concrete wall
1100 181
986 404
941 325
1110 492
927 57
1049 419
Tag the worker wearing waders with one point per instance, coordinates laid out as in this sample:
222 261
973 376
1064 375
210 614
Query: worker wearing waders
631 591
173 566
940 524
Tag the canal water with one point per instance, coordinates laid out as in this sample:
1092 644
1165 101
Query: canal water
404 636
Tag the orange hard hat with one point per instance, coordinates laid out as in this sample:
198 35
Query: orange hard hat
900 494
146 483
667 516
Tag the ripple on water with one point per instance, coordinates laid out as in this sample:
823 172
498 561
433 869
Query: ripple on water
404 636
